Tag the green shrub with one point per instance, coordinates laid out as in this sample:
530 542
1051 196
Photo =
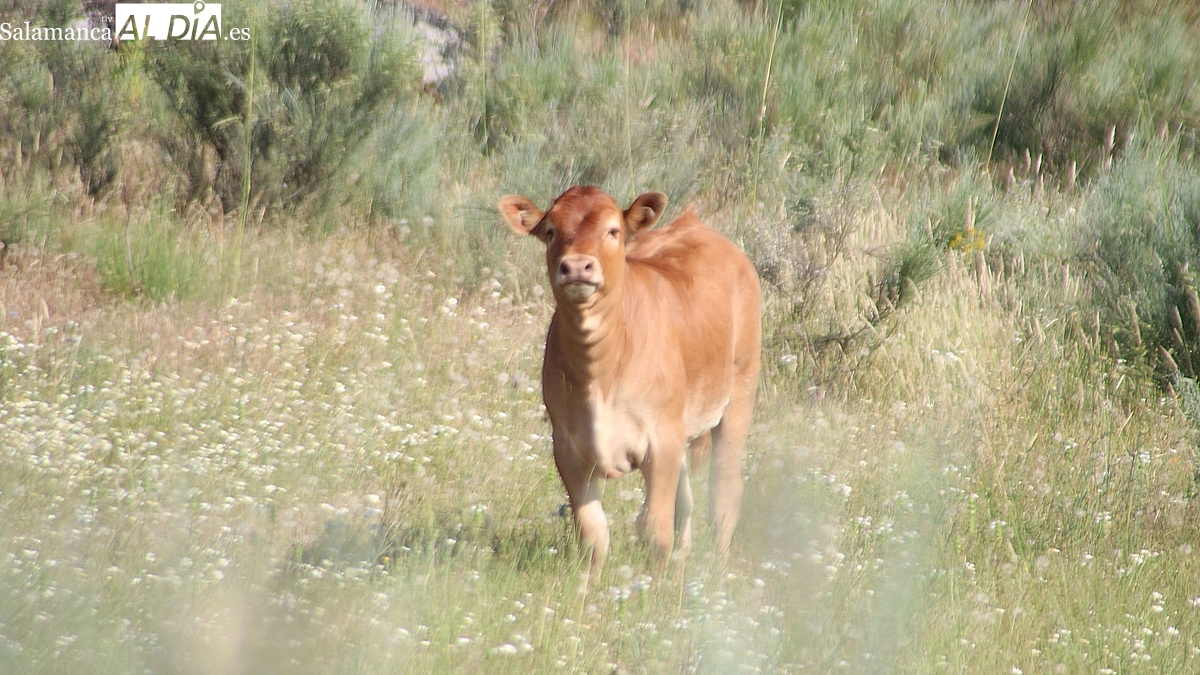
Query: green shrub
907 267
331 79
57 98
153 258
204 85
402 159
1079 84
27 212
93 143
1141 242
28 88
326 80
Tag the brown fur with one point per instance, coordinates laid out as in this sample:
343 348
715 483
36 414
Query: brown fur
654 344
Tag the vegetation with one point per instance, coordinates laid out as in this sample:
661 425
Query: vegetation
269 361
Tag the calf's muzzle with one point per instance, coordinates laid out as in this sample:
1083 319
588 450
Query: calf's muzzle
579 275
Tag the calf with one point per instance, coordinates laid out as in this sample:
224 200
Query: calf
654 343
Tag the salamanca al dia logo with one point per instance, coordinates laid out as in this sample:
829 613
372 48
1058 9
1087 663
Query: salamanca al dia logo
195 21
163 21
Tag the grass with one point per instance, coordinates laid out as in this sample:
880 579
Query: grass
318 444
349 471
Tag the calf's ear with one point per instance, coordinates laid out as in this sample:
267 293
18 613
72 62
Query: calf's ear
521 214
644 211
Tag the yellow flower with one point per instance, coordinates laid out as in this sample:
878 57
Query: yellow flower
968 240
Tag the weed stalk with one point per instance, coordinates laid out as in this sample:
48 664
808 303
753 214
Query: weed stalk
1007 82
241 229
762 103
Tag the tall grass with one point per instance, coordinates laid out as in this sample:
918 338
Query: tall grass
975 445
351 472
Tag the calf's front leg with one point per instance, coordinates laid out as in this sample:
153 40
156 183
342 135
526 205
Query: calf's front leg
583 488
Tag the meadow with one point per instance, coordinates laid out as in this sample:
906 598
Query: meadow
269 358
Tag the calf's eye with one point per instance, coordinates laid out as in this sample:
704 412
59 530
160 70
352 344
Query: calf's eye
614 233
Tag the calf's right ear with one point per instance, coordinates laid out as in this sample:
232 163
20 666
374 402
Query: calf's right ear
521 214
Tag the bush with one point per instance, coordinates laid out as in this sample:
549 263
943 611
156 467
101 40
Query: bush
57 99
1080 85
401 161
152 257
1047 105
204 86
326 77
27 213
331 77
1141 239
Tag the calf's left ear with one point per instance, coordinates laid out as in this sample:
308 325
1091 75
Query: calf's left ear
521 214
644 211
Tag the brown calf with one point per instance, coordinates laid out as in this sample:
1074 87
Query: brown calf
654 343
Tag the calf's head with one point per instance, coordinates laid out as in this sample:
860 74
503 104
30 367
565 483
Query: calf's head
585 233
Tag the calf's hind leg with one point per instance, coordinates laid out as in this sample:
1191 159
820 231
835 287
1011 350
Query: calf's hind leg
683 509
698 452
725 471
